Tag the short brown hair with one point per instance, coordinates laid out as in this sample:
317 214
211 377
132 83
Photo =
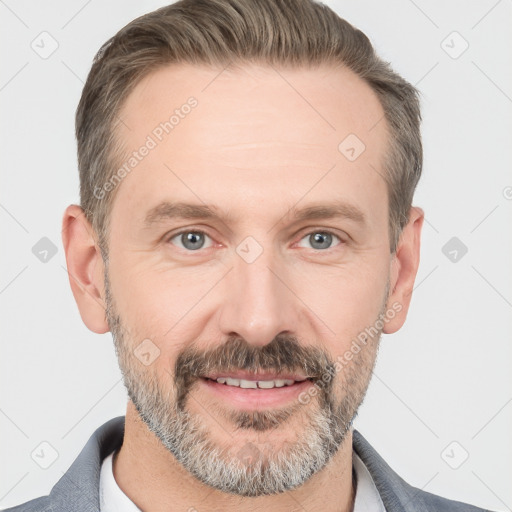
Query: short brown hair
222 32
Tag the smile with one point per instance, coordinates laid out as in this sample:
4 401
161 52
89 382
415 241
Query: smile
255 384
256 391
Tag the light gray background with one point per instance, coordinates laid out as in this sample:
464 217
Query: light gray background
446 376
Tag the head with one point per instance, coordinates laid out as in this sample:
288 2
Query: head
247 172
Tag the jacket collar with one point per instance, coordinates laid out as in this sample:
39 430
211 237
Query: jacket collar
81 483
396 494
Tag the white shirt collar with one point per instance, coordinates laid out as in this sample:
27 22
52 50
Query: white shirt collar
112 498
367 496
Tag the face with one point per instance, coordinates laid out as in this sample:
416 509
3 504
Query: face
247 257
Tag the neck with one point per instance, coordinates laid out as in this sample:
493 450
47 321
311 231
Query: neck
152 478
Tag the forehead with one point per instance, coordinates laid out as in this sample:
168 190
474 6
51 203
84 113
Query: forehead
256 130
324 99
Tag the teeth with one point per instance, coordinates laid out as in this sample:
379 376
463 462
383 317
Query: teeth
263 384
248 384
266 384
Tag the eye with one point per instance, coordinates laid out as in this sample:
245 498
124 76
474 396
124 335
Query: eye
320 240
190 240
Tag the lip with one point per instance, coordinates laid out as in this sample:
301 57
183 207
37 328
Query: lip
250 399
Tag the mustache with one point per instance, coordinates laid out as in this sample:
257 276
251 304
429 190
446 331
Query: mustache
283 354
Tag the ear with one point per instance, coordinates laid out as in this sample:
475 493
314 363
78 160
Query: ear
85 268
404 266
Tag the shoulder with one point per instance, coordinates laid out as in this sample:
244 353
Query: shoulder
395 492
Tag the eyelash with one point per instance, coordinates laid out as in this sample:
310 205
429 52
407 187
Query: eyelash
322 231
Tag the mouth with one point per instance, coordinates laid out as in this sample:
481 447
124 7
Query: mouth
249 391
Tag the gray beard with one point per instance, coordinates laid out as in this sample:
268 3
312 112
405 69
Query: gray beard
250 470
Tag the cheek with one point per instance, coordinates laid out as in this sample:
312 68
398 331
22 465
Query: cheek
166 307
149 293
344 302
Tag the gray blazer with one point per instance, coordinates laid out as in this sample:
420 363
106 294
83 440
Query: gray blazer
78 489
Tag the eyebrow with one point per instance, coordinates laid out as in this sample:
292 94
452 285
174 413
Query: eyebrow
177 210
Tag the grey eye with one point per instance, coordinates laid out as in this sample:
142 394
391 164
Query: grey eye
320 240
190 240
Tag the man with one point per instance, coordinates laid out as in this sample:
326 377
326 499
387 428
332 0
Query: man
246 232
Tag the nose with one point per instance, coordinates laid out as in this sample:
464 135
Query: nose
258 303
